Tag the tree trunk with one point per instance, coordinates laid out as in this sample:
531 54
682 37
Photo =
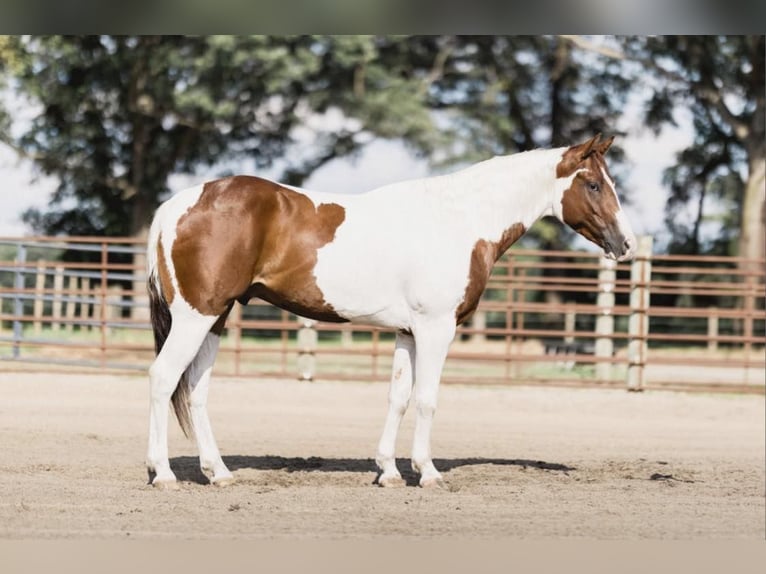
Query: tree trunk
561 60
752 241
752 230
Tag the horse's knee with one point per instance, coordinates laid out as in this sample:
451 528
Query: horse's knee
161 382
398 399
425 403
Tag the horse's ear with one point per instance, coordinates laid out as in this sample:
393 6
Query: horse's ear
604 145
574 155
583 150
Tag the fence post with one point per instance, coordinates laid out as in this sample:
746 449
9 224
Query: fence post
570 323
85 305
307 345
113 307
37 306
58 287
346 338
607 275
140 297
102 309
234 335
72 296
712 328
479 324
18 303
638 323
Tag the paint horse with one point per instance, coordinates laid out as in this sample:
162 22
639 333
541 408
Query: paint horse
413 256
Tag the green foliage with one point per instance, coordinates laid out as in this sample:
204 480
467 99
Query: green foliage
513 93
720 80
120 114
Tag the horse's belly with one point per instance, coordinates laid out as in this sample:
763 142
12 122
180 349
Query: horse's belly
384 290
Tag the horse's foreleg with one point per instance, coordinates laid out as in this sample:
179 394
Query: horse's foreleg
199 378
433 339
180 348
398 399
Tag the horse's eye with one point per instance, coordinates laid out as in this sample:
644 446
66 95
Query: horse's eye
593 186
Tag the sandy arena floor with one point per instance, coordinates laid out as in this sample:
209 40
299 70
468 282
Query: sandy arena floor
520 463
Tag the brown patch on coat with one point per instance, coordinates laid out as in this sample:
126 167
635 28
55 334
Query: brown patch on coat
483 257
168 292
248 237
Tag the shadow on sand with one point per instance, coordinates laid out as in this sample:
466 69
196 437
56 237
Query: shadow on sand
187 467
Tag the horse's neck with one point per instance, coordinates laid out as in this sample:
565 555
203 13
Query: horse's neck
498 193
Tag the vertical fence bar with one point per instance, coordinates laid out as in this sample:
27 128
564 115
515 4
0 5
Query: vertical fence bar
71 295
750 293
375 352
85 305
284 340
37 307
570 323
102 297
235 335
307 345
346 338
140 296
510 297
113 308
479 323
58 289
712 329
638 323
607 276
749 312
18 303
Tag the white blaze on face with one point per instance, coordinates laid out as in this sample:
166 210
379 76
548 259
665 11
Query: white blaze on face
622 220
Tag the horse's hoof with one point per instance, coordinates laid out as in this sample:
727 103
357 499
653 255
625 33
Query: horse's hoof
165 484
437 482
223 482
391 482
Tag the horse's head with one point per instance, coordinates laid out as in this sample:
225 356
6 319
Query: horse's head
589 202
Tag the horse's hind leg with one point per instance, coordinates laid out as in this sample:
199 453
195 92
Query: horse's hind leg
186 335
199 378
398 399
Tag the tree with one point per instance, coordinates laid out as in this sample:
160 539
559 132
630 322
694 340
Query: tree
515 93
120 114
720 79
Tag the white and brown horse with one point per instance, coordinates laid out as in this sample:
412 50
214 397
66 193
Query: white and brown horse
413 256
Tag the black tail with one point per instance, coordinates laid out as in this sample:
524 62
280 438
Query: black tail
161 322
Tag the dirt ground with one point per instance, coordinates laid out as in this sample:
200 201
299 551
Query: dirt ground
520 463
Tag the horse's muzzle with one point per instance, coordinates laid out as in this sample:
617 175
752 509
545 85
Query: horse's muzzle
620 247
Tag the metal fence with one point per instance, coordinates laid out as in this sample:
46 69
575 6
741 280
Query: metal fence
566 318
